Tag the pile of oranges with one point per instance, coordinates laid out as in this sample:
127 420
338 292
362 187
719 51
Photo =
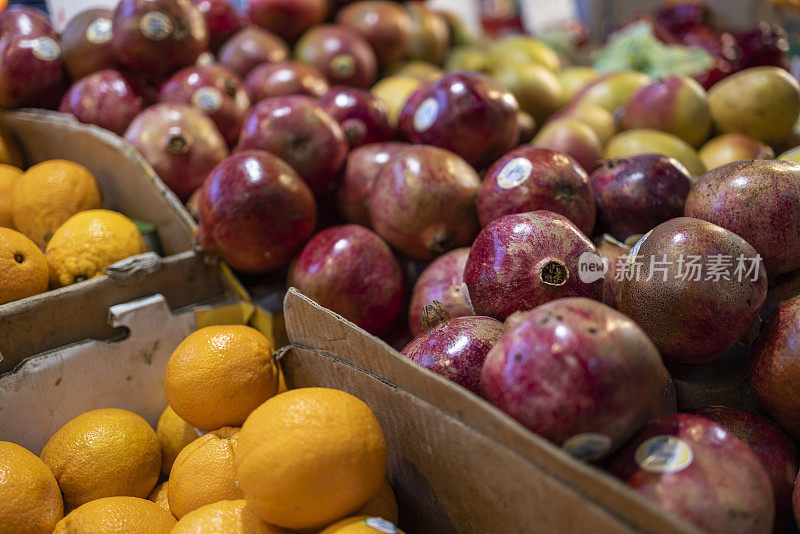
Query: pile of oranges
54 207
234 452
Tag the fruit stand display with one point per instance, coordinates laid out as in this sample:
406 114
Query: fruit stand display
346 266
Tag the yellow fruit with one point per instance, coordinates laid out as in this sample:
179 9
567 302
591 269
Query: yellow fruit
535 87
383 504
174 434
727 148
421 70
30 501
23 269
8 175
394 92
362 524
522 49
50 193
598 119
9 151
160 496
644 140
117 515
88 242
310 456
573 79
204 473
224 517
613 90
219 374
104 453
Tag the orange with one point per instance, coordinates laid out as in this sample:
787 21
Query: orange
383 504
104 453
50 193
23 269
8 175
219 374
363 524
224 517
30 502
117 515
160 496
204 473
174 434
88 242
9 151
310 456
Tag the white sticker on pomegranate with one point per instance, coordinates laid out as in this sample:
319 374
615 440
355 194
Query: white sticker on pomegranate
99 31
588 446
465 292
664 454
514 173
46 49
381 525
635 250
209 99
343 66
156 26
426 114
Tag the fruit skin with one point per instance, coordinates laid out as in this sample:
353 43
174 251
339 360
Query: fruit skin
758 200
287 18
104 98
363 117
31 501
648 141
727 148
674 104
575 78
423 71
297 130
362 167
231 517
635 194
181 143
723 489
214 90
103 453
222 21
423 202
612 90
536 88
394 91
8 175
600 120
611 251
31 72
515 49
524 260
340 53
383 504
177 36
9 151
430 36
572 137
131 515
243 197
351 271
775 450
530 179
332 446
24 20
690 320
573 366
86 43
385 25
173 434
251 47
360 524
456 347
465 112
160 496
218 375
284 78
441 280
24 271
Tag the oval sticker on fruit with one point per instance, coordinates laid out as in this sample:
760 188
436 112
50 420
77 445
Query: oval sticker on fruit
514 173
587 446
664 454
99 31
156 26
46 49
209 99
426 114
381 525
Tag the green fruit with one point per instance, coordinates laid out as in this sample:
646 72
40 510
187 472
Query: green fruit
536 89
522 49
646 141
613 90
467 58
573 79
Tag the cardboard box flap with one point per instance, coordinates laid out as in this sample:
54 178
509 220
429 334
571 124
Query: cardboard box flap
313 327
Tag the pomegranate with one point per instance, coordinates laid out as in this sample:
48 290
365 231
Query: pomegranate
250 48
577 373
521 261
255 212
299 131
694 288
385 25
222 20
214 90
454 348
783 288
363 117
340 53
530 179
21 20
697 470
440 281
181 144
423 202
430 36
351 271
287 18
106 99
31 72
614 253
284 78
86 43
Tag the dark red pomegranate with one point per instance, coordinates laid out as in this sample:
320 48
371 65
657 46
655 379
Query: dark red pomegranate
454 347
465 112
86 43
697 470
682 16
530 179
250 48
299 131
363 117
442 281
25 20
340 53
385 25
577 373
106 99
689 289
783 288
351 271
764 44
284 78
614 254
222 20
214 90
287 18
430 35
522 261
361 168
180 142
255 212
155 37
423 202
635 194
31 72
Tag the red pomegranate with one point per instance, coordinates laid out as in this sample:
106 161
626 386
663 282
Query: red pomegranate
86 42
250 48
442 281
106 99
363 117
284 78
